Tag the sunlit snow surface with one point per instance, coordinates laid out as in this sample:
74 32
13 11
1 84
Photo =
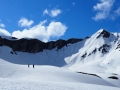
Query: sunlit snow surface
44 77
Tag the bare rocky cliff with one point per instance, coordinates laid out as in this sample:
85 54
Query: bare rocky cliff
35 45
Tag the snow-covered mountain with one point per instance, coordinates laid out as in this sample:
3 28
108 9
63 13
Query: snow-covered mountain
101 49
97 55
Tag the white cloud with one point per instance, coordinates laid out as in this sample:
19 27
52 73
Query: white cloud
4 32
56 29
103 9
23 22
53 13
42 32
45 12
73 4
115 14
2 25
118 11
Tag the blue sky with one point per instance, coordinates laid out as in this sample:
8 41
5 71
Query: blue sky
58 19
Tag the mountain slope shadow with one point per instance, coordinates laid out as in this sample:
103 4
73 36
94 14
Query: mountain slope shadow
33 51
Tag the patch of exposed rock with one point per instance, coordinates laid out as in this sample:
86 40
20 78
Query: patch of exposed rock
104 33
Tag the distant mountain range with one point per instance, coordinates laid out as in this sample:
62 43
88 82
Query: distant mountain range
99 52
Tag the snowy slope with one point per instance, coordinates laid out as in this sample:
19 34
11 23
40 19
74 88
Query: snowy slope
98 51
98 55
17 77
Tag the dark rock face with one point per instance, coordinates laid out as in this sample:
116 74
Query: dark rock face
103 48
104 33
84 55
113 77
60 43
87 37
94 51
72 40
118 46
34 45
89 74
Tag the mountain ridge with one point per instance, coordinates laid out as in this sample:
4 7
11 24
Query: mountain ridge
35 45
102 50
26 45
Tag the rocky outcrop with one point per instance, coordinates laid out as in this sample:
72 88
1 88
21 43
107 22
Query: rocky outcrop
113 77
84 55
104 48
35 45
118 46
104 33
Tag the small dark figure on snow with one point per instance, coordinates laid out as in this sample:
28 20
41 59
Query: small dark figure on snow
33 65
28 65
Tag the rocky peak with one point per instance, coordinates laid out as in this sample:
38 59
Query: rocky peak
103 33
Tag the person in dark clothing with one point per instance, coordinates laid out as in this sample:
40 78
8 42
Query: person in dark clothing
33 65
28 65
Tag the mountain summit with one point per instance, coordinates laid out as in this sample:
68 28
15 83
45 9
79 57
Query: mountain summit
103 33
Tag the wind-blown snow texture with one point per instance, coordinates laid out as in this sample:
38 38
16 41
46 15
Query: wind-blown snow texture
85 65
